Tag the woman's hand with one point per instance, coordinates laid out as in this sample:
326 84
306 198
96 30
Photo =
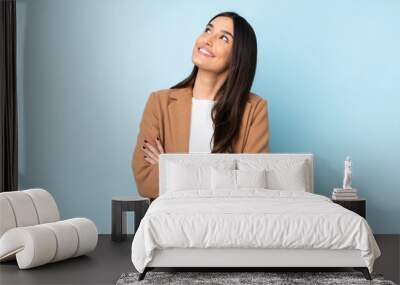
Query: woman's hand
151 153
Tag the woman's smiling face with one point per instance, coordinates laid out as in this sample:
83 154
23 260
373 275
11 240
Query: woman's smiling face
212 49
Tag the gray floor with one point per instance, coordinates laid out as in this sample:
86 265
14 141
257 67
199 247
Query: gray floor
111 259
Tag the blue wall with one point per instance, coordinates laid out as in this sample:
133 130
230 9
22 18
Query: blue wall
329 70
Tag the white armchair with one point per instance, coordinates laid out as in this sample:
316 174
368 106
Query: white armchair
31 231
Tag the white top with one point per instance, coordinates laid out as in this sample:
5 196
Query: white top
201 126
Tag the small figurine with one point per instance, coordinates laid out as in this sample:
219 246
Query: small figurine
347 173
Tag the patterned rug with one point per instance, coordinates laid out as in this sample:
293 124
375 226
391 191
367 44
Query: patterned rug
225 278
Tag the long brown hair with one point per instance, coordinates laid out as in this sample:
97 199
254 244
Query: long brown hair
227 111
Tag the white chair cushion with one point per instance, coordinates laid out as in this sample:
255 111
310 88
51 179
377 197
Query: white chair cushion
45 205
27 208
87 233
67 237
30 230
32 245
46 243
7 215
23 208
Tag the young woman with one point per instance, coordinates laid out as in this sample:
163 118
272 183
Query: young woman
212 110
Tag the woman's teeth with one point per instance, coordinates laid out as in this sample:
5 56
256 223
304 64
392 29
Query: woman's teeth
205 52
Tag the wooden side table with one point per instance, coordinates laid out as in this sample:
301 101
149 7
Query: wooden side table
358 206
121 205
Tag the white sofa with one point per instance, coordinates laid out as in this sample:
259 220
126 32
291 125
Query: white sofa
31 231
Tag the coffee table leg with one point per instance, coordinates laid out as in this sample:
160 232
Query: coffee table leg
118 231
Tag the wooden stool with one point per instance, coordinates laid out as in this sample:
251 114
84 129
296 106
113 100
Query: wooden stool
121 205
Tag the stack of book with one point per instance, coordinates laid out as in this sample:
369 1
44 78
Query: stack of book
344 194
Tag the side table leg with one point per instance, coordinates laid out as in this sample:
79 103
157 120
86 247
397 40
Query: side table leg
118 231
140 211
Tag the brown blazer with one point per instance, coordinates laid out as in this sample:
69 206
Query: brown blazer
167 115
